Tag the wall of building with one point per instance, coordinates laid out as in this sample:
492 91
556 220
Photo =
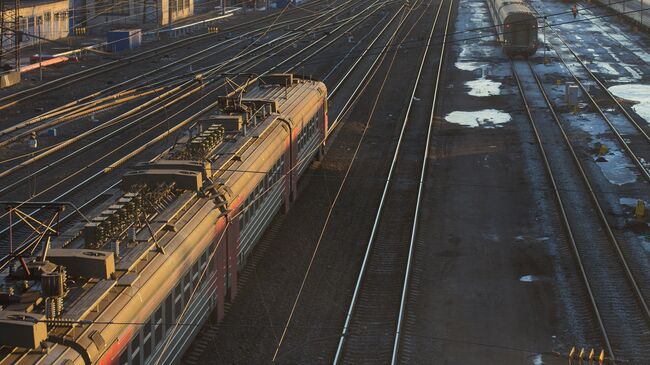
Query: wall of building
47 19
125 13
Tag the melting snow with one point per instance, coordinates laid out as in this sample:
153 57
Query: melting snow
631 202
529 278
616 169
483 87
469 66
487 118
537 359
636 93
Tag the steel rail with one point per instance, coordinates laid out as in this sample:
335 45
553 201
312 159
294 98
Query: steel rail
615 245
82 75
73 106
405 287
179 63
371 71
601 213
97 174
83 332
591 19
600 111
172 95
563 213
370 245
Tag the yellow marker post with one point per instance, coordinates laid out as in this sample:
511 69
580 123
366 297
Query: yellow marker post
582 353
558 82
572 353
602 151
601 358
639 212
591 355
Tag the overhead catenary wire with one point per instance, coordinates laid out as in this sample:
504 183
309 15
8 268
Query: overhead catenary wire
158 28
306 62
482 37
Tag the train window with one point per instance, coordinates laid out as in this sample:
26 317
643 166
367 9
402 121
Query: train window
204 260
135 349
135 358
158 325
187 287
195 273
124 357
178 300
169 316
147 339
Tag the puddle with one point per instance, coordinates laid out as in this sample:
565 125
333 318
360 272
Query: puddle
640 94
630 202
487 118
483 87
529 278
616 169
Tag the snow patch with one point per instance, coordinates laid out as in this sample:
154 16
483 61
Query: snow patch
616 169
470 66
638 93
483 87
487 118
529 278
630 202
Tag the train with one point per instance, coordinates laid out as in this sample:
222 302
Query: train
516 27
134 282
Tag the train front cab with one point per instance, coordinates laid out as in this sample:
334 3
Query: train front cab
520 34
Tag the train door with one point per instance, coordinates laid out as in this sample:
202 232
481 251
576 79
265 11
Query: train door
520 34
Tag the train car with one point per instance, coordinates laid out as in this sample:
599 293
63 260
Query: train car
133 284
516 26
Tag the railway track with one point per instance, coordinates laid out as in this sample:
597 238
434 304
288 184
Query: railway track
311 55
195 353
617 300
102 175
629 133
15 98
102 100
371 333
159 105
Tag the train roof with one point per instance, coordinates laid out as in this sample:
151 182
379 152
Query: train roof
184 179
507 7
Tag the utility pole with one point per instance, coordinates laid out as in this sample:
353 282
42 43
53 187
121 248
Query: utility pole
10 34
40 49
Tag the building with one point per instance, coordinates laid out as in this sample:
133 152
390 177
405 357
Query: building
107 14
46 19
